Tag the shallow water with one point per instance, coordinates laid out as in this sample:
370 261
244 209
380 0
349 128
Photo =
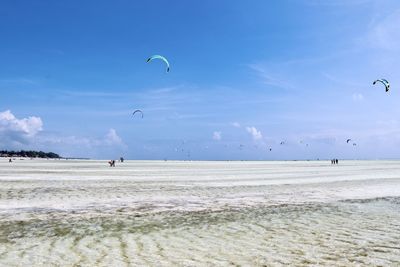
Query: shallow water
150 213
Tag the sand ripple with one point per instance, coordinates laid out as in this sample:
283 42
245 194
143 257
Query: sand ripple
122 221
343 234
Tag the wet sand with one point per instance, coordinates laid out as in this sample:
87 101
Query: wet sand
156 213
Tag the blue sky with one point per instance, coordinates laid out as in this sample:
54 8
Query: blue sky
244 77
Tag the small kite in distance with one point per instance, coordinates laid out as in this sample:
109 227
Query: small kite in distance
384 82
161 58
348 140
138 111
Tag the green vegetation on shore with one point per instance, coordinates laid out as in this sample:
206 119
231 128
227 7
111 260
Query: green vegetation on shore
29 154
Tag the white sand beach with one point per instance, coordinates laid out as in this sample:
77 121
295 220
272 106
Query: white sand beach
175 213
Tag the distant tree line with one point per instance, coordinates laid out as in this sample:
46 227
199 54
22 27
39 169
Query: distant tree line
29 154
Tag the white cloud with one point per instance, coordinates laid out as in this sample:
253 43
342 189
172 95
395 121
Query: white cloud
112 138
217 136
256 134
18 131
110 145
358 97
27 133
236 124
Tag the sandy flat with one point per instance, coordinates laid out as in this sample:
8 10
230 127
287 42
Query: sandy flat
157 213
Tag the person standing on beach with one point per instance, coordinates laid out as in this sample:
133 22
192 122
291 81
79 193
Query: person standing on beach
112 163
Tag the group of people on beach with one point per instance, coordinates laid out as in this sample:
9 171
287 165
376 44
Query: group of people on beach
334 161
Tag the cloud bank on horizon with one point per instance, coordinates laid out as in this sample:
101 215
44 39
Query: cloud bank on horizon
249 75
26 134
22 131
